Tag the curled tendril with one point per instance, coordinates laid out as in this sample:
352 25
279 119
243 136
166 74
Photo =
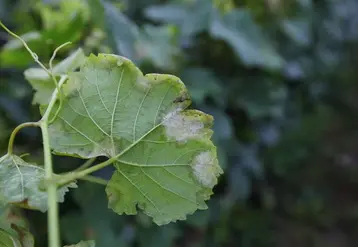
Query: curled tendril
55 81
36 59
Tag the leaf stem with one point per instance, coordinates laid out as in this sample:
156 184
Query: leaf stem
16 130
95 180
85 165
52 219
64 179
54 98
55 80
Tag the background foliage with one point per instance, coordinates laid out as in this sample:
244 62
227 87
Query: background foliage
280 79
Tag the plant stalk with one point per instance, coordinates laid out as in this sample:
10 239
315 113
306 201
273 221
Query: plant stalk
52 219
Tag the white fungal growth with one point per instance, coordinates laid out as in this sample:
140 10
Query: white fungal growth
181 127
172 113
143 82
205 170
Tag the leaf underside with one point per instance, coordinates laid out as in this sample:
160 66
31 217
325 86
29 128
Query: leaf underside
165 163
20 184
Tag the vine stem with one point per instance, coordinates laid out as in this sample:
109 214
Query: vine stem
53 221
15 131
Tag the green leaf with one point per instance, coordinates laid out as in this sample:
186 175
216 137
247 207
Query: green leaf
14 228
165 163
96 221
22 238
15 44
247 39
151 236
96 12
13 54
20 184
123 32
83 244
10 215
203 83
43 83
63 21
157 45
191 17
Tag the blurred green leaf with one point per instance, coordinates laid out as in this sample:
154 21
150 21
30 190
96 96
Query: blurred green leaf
165 235
262 98
202 83
97 12
14 54
22 238
191 16
247 39
94 222
123 32
14 228
299 30
158 45
65 22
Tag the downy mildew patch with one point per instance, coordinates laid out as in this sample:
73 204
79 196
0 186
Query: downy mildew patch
181 127
206 170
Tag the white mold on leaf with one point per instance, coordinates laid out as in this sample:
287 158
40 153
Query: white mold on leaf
205 169
143 82
181 127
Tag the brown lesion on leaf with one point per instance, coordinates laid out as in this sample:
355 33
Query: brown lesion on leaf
24 236
182 98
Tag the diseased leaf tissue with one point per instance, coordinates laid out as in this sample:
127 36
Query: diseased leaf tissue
165 162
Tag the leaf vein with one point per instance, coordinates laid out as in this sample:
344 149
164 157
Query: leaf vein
145 195
84 135
160 105
21 179
90 116
165 188
114 109
137 115
99 93
173 174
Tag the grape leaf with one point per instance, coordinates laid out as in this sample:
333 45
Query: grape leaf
190 16
83 244
43 83
157 44
14 228
165 163
21 238
247 39
122 31
20 184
